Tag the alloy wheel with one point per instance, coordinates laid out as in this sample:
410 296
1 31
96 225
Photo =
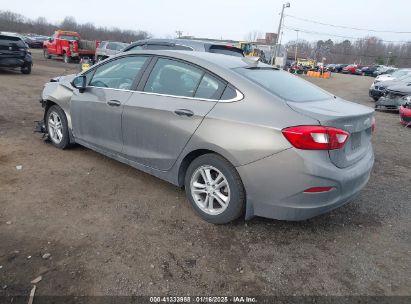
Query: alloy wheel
55 127
210 190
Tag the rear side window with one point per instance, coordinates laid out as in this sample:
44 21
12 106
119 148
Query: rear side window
226 50
284 85
209 88
173 77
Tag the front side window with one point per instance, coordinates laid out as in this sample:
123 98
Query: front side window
284 85
172 77
119 73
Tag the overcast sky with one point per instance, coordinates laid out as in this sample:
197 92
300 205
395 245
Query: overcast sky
230 19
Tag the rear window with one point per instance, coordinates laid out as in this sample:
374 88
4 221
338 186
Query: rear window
284 85
9 40
226 50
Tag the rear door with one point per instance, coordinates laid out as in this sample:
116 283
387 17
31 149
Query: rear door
159 120
96 113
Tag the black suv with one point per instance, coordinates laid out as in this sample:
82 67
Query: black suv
14 53
185 45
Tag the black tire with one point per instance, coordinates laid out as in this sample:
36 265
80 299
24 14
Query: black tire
236 204
66 58
46 54
65 141
375 98
26 69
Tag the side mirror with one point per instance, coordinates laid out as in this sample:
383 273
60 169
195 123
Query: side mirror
80 83
50 39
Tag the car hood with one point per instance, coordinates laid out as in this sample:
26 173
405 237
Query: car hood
385 77
394 82
402 88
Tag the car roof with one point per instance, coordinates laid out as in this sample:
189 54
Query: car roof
196 45
204 58
10 34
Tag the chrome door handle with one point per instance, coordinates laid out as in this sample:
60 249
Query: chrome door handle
184 112
114 103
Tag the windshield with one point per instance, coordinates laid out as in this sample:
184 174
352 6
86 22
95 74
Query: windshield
284 85
69 37
400 73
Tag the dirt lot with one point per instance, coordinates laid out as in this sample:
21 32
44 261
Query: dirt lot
112 230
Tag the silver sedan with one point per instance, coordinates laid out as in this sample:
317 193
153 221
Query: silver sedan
241 137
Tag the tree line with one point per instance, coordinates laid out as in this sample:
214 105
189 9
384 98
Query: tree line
369 50
13 22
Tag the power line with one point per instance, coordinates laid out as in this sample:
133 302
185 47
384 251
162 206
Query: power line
347 27
340 36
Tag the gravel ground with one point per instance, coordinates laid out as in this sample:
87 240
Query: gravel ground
113 230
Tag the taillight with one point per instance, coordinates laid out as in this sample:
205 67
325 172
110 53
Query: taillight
316 137
318 189
373 124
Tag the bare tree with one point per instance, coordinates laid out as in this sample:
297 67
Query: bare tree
253 36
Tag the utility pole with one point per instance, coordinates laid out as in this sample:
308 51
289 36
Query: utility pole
388 58
296 47
277 46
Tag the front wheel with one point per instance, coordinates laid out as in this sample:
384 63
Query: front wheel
57 127
214 189
46 54
26 69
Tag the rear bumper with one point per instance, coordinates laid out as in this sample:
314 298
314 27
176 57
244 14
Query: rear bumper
275 185
14 62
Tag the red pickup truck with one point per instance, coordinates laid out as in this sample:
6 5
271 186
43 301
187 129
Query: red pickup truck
69 45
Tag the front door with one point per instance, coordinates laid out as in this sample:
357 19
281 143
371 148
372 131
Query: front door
96 113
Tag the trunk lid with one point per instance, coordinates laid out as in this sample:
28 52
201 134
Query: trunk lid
348 116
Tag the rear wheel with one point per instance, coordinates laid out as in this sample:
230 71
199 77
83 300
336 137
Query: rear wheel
57 127
214 189
26 69
46 54
66 58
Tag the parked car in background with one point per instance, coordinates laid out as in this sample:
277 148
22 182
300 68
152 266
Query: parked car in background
239 135
350 69
405 112
394 97
109 48
378 89
69 45
393 75
339 67
14 53
369 70
384 70
35 42
185 45
330 67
